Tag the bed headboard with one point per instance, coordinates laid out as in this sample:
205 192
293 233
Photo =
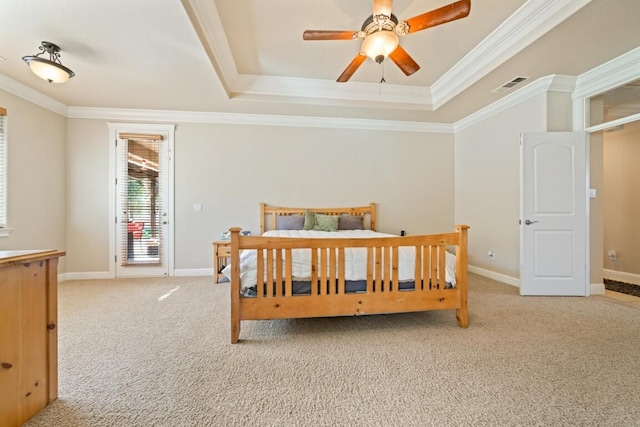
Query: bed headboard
269 214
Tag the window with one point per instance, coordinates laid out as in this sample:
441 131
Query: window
3 171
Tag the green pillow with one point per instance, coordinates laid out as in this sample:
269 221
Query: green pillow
326 223
309 220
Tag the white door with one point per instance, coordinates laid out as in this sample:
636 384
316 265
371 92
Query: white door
553 212
141 205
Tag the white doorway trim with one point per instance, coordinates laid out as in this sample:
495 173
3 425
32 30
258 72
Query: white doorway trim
114 130
617 72
614 123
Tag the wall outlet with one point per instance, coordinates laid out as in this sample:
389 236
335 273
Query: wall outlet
491 254
613 255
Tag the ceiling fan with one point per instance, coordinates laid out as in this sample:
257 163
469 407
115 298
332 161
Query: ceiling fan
380 33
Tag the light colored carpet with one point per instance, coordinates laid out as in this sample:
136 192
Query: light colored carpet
156 352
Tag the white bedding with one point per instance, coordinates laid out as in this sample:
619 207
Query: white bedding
355 258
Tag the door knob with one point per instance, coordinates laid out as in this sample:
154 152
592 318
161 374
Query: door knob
529 222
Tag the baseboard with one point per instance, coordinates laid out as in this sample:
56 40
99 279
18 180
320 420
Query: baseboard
89 275
621 276
513 281
596 289
189 272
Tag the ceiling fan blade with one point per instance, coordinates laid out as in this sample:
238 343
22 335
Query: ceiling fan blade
328 35
351 68
405 62
382 7
451 12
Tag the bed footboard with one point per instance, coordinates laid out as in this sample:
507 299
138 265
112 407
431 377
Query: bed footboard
329 295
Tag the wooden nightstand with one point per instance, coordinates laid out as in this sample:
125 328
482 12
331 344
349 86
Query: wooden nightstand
221 258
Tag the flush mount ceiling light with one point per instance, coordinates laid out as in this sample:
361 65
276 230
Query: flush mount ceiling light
50 69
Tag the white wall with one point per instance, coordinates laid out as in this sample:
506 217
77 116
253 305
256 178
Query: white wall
487 176
230 169
36 171
87 196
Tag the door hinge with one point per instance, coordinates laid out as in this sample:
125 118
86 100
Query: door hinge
519 222
115 258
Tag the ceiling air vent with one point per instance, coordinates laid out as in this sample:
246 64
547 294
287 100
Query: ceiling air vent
509 85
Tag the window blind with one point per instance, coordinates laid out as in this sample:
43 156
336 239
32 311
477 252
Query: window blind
3 167
141 198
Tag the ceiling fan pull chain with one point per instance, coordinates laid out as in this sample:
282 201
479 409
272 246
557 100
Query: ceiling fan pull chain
382 80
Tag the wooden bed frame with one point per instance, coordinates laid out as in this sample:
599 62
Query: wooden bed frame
278 302
269 214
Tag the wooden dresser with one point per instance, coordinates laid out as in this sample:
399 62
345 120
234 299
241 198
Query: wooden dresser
28 333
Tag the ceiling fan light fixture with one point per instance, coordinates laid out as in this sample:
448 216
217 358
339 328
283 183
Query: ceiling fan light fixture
379 45
380 32
50 69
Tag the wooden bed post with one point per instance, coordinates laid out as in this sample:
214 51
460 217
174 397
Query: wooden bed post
462 314
262 224
373 216
235 284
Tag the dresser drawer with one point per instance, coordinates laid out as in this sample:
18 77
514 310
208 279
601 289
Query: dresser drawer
223 250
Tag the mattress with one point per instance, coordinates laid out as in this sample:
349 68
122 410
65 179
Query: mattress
299 287
355 261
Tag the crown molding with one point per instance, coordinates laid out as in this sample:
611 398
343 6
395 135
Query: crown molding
31 95
25 92
205 19
617 72
328 90
526 25
531 21
255 119
553 83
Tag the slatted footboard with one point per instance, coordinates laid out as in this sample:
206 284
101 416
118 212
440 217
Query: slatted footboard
328 291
